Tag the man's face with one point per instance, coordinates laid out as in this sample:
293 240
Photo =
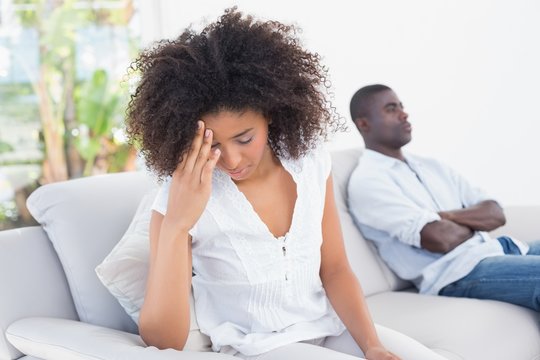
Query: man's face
388 125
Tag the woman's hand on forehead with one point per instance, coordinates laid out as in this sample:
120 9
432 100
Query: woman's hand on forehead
191 182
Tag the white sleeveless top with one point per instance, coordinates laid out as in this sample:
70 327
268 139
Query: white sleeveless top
254 292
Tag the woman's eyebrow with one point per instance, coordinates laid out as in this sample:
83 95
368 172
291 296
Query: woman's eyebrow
242 133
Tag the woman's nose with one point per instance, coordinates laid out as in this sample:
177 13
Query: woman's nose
230 159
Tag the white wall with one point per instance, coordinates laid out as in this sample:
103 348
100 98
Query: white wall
467 72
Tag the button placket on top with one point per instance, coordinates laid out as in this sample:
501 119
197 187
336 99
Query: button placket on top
287 271
282 244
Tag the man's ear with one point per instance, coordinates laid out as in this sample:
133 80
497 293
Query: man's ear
362 124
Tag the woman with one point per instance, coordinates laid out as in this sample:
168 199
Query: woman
233 118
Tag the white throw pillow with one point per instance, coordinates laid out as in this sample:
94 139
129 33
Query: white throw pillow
84 219
124 272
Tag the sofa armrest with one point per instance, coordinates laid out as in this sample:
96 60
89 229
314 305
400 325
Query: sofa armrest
52 338
521 223
32 282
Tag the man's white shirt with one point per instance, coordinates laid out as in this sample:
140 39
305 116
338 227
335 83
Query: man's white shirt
392 200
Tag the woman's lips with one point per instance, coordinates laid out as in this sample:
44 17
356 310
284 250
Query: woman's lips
237 174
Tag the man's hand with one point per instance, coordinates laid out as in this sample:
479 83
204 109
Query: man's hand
484 216
457 226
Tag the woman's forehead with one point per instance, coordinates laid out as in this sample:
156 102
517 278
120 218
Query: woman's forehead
227 122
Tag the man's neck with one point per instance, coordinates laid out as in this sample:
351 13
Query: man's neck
395 153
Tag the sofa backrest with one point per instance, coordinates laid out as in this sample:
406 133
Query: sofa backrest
85 219
372 272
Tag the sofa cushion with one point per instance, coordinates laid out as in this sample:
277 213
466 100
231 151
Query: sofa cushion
463 328
60 339
84 219
124 272
371 271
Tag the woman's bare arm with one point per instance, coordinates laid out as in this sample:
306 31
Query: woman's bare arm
164 319
342 287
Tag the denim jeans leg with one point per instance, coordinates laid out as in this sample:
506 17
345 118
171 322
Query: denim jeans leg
510 278
534 248
508 245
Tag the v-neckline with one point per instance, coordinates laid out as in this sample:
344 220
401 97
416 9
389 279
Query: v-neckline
256 217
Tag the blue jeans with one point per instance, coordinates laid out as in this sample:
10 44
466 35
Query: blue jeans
512 277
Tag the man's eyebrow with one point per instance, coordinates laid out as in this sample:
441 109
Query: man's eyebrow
393 104
242 133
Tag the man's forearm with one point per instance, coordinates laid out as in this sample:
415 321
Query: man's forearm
484 216
444 236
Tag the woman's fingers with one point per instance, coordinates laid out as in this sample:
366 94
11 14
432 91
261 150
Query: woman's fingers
204 153
208 168
200 160
193 152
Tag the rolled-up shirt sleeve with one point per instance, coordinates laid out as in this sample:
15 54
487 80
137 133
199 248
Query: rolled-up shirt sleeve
162 197
162 201
380 204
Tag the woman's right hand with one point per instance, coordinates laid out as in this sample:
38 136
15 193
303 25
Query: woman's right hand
164 319
380 353
191 182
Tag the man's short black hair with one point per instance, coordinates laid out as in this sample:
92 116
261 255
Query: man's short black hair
362 98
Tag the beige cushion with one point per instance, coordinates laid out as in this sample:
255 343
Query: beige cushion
468 329
124 272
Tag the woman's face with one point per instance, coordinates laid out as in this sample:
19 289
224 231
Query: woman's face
242 138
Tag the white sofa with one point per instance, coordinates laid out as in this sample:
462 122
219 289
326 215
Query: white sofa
52 306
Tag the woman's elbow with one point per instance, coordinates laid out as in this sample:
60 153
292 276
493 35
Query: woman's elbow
157 334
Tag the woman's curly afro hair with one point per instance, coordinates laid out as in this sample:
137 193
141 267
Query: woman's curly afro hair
234 64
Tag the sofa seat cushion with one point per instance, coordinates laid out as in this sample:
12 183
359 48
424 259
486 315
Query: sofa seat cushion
61 339
461 328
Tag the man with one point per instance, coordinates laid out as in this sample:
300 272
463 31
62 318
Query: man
429 224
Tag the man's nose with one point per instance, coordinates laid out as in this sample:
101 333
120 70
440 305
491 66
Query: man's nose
403 116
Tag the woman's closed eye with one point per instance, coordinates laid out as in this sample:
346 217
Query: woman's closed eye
245 141
240 141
